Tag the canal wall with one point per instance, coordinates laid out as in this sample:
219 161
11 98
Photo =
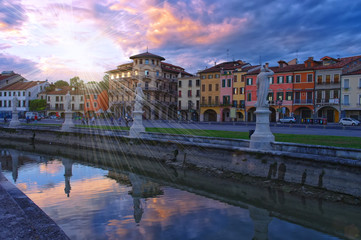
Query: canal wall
330 168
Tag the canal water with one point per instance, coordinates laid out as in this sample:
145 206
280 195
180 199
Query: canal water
99 201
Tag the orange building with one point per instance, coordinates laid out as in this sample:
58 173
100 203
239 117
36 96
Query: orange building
96 101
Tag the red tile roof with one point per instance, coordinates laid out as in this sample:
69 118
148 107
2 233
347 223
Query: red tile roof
173 68
22 85
3 77
63 91
225 66
341 62
147 55
358 72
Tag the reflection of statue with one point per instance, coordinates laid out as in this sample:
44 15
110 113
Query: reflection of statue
67 102
139 98
262 86
138 210
15 103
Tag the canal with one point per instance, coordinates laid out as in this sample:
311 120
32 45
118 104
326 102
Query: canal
99 195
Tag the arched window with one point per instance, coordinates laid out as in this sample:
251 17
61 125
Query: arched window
146 72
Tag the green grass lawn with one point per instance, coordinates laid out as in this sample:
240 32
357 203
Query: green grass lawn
349 142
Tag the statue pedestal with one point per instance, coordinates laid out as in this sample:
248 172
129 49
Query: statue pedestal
14 120
137 126
262 136
68 123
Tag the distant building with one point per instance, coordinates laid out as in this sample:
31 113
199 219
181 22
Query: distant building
24 91
158 80
56 100
96 100
351 95
9 77
189 97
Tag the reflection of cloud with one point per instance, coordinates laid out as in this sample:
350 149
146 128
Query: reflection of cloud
51 168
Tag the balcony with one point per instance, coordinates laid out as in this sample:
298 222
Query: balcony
303 101
325 101
209 104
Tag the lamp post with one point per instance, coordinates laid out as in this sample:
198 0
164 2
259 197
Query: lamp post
279 104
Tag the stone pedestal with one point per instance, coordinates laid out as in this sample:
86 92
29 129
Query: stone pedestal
14 120
262 136
137 126
68 123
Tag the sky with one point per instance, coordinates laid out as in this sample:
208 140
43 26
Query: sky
60 39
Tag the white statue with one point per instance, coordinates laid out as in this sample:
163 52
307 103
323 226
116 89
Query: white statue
139 98
67 102
262 87
15 103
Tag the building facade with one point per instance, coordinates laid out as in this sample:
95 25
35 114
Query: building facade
55 101
24 91
189 98
159 83
96 101
351 95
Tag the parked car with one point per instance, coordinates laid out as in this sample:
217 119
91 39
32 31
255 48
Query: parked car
349 122
288 120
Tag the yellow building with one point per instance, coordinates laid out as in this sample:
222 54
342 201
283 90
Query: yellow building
239 92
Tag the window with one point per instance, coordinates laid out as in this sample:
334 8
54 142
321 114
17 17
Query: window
309 97
24 93
336 78
73 98
235 90
289 79
235 78
140 61
226 99
146 61
29 94
271 80
241 90
328 78
4 94
359 99
146 72
9 103
95 104
153 61
229 82
95 96
189 83
57 99
249 81
9 94
346 83
197 83
359 83
48 98
189 93
319 79
18 94
309 77
270 96
157 73
87 104
217 100
87 96
1 93
209 100
217 76
223 83
346 100
210 87
249 97
203 87
24 103
280 96
289 96
179 93
198 93
297 78
210 76
197 104
81 98
180 84
146 85
203 76
1 103
136 73
280 79
4 103
203 100
217 86
61 98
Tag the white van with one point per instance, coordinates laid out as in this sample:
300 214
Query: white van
32 115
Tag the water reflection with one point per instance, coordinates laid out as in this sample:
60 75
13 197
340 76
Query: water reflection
114 203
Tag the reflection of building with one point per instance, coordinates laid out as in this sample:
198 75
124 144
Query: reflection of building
189 97
68 172
261 219
159 83
56 100
351 95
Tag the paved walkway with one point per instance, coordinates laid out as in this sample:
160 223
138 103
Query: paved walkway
20 218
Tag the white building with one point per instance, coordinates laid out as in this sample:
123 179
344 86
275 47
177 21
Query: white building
188 97
351 95
9 77
24 91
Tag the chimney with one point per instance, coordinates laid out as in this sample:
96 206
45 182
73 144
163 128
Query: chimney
282 63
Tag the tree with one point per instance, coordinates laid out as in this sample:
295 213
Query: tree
61 83
37 105
105 83
76 82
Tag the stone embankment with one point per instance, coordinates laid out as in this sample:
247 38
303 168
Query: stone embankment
328 168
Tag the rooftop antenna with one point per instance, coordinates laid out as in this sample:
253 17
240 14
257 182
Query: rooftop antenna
260 60
147 48
297 56
227 55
